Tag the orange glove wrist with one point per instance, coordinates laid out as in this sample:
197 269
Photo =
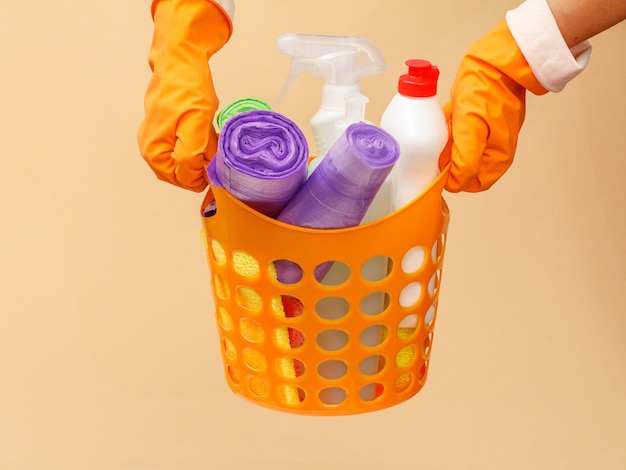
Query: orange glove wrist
486 111
177 137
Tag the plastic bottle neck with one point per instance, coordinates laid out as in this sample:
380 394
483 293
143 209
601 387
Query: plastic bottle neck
334 96
418 98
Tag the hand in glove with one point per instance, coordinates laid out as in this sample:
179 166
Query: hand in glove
486 111
177 137
487 106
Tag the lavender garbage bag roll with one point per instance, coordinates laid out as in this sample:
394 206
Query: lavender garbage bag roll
261 159
339 191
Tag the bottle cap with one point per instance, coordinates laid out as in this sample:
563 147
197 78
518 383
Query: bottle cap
421 81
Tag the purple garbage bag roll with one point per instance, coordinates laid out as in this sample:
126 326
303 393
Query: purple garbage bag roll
339 191
261 160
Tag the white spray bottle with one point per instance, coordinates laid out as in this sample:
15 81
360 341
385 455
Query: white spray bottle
342 62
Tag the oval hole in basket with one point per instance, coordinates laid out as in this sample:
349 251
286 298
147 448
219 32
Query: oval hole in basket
230 351
423 371
286 306
413 260
287 338
375 303
332 369
410 321
374 335
428 344
403 382
433 284
257 386
221 287
292 307
332 340
245 264
332 273
332 396
429 318
438 247
332 308
411 294
233 375
372 365
376 268
290 367
291 395
224 319
218 254
406 356
285 271
371 392
254 359
251 330
249 299
408 326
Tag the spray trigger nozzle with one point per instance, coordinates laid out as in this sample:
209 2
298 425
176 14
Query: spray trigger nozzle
339 60
355 108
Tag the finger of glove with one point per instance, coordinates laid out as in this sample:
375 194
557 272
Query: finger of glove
177 137
469 130
502 143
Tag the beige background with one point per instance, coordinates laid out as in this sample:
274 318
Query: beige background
108 351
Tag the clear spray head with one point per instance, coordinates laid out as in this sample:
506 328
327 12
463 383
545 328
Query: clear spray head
339 60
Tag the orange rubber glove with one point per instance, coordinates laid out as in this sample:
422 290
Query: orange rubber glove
177 137
486 111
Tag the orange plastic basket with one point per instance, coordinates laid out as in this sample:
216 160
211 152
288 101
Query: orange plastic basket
354 345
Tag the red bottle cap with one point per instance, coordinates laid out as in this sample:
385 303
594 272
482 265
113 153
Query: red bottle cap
421 81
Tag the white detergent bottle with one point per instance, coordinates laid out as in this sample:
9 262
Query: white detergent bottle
342 62
416 120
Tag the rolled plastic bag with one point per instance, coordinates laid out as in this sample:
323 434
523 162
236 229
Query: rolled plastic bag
339 191
261 160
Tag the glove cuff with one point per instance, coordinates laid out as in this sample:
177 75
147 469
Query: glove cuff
228 6
499 49
538 36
